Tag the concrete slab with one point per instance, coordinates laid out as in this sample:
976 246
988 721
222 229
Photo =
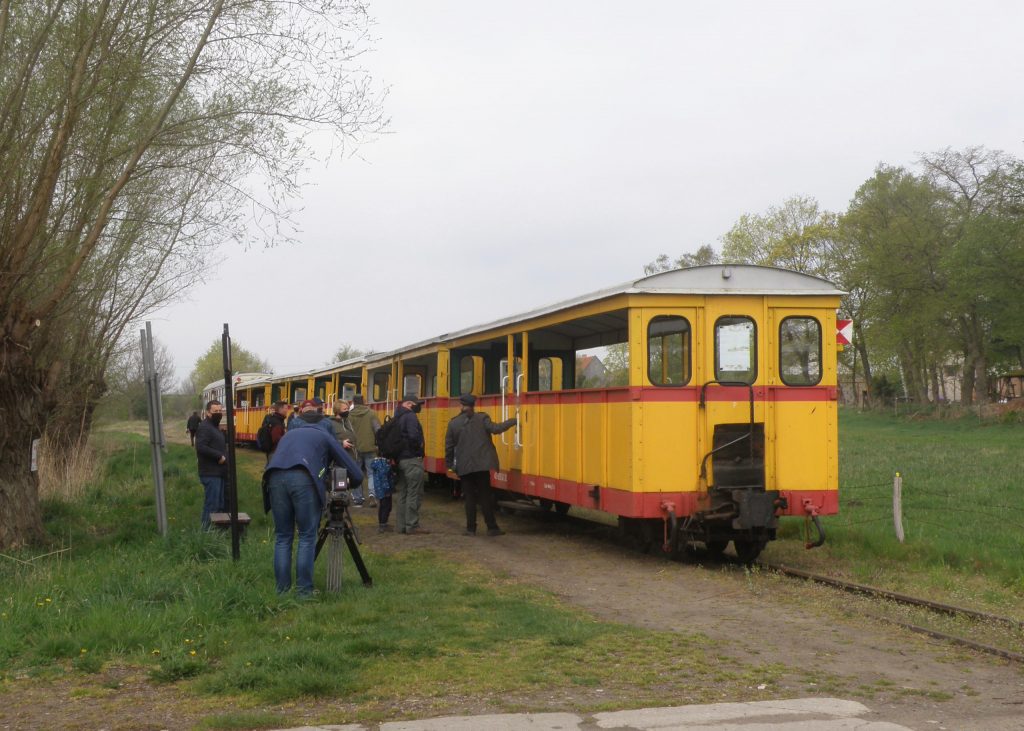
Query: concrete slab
676 716
498 722
804 714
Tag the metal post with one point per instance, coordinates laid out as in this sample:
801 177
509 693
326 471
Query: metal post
897 506
232 483
156 436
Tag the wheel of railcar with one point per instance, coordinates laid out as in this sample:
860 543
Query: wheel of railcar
748 549
545 503
561 508
716 548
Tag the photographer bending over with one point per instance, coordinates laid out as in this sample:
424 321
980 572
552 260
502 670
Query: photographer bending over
294 489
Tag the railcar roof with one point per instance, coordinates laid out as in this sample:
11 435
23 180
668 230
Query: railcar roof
712 279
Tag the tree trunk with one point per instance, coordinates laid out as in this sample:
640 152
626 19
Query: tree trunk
862 348
21 520
981 377
967 381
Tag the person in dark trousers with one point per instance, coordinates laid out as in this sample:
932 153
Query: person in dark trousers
411 477
294 489
469 452
346 436
191 426
212 454
277 428
366 425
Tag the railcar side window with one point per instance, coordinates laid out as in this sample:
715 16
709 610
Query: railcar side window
800 351
735 349
467 367
668 350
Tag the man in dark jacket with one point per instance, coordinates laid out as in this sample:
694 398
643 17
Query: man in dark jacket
191 426
294 489
311 414
469 452
212 454
275 419
411 477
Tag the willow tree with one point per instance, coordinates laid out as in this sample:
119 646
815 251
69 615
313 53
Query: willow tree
131 136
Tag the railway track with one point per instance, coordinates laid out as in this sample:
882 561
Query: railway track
582 525
905 599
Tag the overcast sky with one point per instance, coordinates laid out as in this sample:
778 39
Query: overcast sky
542 150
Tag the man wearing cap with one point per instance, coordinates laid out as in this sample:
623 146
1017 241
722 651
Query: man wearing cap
411 477
311 413
469 452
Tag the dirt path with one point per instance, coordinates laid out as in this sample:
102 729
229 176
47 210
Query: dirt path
920 683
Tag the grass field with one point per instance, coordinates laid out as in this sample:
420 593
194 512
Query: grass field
184 613
963 504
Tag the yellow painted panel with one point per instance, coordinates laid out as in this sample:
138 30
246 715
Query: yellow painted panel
569 442
804 447
619 454
669 455
594 443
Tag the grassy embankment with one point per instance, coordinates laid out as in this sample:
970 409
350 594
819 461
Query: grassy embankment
180 611
963 504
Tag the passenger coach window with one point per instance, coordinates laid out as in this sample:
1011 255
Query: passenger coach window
800 351
668 351
735 349
467 366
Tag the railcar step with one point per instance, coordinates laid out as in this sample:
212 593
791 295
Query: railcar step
525 506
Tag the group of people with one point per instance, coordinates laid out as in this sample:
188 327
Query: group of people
303 442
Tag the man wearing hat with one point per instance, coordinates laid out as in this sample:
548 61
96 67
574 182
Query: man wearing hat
469 452
311 413
411 477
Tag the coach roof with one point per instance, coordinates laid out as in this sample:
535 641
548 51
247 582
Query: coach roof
712 279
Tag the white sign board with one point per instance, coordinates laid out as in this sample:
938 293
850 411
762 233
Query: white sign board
734 351
35 455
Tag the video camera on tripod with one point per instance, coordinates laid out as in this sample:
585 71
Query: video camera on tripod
338 527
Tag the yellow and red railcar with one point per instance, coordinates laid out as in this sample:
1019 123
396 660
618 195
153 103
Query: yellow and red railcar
697 405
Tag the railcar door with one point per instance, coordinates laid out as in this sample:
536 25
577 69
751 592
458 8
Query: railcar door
665 341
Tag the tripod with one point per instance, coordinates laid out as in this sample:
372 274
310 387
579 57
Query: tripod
338 527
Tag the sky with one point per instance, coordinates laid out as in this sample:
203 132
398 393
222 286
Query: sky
542 150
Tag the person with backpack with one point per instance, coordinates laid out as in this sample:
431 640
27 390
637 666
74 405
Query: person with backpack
469 452
272 429
192 426
404 443
365 425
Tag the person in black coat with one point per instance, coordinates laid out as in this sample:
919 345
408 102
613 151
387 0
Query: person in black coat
469 452
191 426
212 455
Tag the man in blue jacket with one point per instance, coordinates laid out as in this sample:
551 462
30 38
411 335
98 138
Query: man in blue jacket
295 489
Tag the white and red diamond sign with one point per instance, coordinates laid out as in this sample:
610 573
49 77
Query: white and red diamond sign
844 332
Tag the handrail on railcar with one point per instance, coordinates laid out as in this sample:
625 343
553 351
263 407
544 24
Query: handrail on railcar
750 431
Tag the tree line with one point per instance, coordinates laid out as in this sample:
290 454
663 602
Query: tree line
137 136
931 258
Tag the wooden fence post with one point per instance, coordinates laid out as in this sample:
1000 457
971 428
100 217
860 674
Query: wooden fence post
897 506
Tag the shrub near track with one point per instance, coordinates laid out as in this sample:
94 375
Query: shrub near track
963 511
181 609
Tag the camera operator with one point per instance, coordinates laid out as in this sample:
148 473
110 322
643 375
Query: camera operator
294 489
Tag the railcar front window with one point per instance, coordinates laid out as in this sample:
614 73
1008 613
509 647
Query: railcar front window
466 368
668 351
735 350
800 351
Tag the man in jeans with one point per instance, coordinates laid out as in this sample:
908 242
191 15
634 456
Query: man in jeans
469 452
212 455
365 424
294 489
411 477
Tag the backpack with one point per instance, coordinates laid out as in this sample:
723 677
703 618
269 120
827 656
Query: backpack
390 441
264 437
380 468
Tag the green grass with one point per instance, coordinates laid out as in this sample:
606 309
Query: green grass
183 612
963 504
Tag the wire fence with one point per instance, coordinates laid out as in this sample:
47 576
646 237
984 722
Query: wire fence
921 505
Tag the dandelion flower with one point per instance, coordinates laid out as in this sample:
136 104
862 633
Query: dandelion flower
155 652
192 653
48 600
83 651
